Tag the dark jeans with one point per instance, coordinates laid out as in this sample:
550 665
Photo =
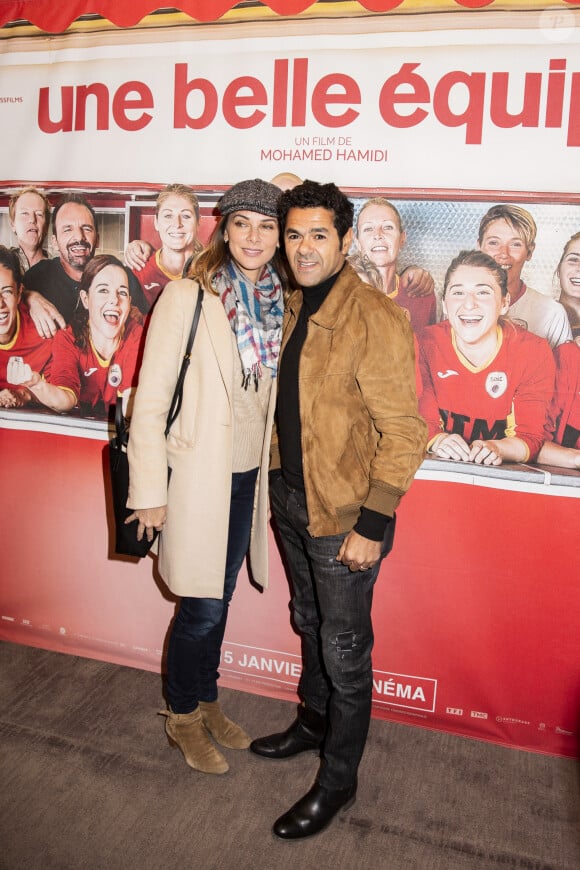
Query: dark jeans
195 641
332 611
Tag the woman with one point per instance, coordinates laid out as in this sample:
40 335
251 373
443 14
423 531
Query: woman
379 237
22 349
568 273
218 451
486 382
508 234
96 357
562 444
177 223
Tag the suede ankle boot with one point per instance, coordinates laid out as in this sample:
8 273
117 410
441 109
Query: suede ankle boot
187 731
223 730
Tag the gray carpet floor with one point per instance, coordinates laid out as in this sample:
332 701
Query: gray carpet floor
88 780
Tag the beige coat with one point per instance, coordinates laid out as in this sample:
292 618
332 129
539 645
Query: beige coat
198 449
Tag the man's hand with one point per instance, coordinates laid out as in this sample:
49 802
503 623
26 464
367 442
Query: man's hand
46 317
416 281
137 253
358 553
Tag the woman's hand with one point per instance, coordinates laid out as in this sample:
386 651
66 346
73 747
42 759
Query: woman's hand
485 452
137 253
14 398
452 447
416 281
150 520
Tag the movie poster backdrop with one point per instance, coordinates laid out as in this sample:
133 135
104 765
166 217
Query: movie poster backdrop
444 136
436 231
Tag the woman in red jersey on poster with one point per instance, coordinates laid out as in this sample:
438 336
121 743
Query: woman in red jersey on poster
486 382
568 274
562 444
177 223
379 237
96 358
22 349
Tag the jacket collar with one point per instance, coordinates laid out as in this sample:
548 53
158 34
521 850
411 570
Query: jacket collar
333 305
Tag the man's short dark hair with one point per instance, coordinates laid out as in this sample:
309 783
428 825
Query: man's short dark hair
311 194
77 199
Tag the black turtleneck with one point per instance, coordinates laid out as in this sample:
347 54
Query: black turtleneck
288 406
371 524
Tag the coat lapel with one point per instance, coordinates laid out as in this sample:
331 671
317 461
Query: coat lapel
220 336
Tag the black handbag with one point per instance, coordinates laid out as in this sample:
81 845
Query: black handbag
126 542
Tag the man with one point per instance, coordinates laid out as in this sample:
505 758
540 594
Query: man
53 285
29 213
348 442
286 180
508 234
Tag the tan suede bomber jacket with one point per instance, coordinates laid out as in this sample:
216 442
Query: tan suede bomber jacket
362 436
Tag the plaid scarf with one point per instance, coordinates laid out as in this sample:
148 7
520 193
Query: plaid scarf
255 315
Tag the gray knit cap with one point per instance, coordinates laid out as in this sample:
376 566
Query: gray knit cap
253 195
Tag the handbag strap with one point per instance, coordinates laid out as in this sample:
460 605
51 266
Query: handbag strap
120 426
175 406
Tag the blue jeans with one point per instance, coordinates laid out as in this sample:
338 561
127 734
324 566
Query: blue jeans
331 606
195 640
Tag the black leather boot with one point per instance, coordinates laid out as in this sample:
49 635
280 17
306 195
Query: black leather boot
305 733
313 812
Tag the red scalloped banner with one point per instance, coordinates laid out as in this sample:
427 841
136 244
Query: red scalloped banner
56 17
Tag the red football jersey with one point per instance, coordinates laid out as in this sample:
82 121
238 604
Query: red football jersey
27 343
507 397
563 423
153 278
422 309
94 380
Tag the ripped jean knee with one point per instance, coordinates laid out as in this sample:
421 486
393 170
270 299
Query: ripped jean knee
347 657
